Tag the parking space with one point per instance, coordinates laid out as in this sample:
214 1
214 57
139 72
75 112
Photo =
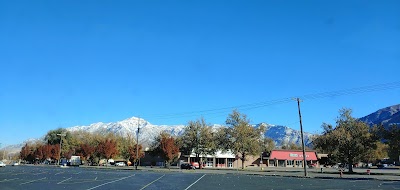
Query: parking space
31 177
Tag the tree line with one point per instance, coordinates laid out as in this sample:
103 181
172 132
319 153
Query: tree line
199 138
349 141
90 147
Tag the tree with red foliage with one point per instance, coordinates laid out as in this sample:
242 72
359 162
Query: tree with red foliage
26 153
170 149
132 153
85 151
107 148
54 151
46 151
38 153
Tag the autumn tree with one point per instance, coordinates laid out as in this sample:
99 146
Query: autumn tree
244 138
85 151
132 153
348 142
26 153
39 153
107 149
198 138
167 147
69 142
55 152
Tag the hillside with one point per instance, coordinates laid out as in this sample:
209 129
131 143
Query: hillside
386 116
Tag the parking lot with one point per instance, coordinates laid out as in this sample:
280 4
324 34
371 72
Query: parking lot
40 177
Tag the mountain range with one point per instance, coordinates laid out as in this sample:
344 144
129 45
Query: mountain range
280 134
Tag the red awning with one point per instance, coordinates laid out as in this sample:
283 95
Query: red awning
292 155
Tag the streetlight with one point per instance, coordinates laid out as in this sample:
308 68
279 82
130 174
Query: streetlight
137 145
61 135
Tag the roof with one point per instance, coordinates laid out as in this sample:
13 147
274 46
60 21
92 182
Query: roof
292 155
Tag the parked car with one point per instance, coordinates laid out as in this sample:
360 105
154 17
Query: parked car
120 164
2 164
15 164
195 164
187 166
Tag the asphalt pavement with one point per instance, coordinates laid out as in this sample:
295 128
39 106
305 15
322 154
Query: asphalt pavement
51 177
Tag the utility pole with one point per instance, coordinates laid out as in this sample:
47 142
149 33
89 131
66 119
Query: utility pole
61 135
137 145
302 139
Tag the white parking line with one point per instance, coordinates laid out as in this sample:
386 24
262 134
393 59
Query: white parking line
110 182
64 180
59 173
78 173
33 181
5 180
152 182
19 173
195 182
40 173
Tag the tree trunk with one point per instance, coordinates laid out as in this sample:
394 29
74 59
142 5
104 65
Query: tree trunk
243 159
350 165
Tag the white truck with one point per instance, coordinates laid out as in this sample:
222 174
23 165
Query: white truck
75 161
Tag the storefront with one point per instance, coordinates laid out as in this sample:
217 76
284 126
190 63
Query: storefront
291 158
221 160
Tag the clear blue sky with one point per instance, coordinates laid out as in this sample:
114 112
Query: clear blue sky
67 63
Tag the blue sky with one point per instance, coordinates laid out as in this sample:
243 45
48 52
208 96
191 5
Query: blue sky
67 63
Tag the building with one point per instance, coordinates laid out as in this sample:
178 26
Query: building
291 158
222 160
277 158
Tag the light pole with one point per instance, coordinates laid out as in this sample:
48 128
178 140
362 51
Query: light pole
137 145
61 135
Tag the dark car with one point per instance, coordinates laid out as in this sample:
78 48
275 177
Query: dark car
187 166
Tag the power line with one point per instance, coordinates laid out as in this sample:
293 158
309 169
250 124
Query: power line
251 106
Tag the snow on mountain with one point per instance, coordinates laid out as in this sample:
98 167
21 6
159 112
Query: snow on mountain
129 126
285 135
280 134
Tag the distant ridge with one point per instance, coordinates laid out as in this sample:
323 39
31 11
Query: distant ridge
385 116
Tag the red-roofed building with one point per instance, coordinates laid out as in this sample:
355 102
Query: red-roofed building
291 158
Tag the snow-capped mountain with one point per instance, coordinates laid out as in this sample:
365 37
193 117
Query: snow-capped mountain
280 134
129 126
285 135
